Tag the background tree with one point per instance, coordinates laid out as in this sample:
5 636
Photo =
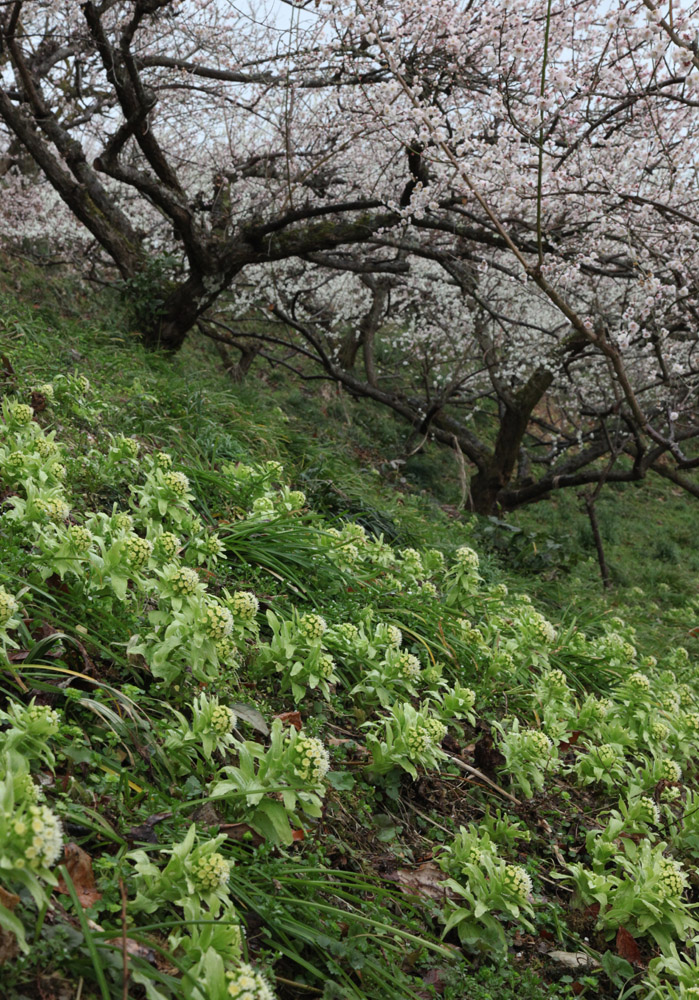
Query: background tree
482 217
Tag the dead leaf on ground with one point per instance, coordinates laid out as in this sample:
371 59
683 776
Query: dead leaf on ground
427 881
626 947
79 866
145 832
242 832
486 756
250 714
291 719
573 959
571 741
9 948
134 948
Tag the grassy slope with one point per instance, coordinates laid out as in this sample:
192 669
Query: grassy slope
336 451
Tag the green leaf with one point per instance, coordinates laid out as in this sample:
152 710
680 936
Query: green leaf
341 781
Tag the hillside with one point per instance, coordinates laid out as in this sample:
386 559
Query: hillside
279 719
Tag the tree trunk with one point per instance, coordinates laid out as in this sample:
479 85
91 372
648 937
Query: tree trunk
182 308
495 475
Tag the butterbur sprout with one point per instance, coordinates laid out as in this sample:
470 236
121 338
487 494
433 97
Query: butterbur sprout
129 446
54 508
122 521
672 881
223 719
669 770
177 483
436 730
263 505
310 759
45 446
347 631
326 665
466 558
162 460
225 648
394 636
638 682
211 872
659 731
409 666
41 719
183 580
33 836
8 606
417 739
247 984
537 742
218 621
647 811
138 551
244 605
212 546
607 755
312 626
167 544
691 721
19 414
517 881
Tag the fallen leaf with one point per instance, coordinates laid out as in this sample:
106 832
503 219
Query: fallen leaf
486 756
39 401
132 947
145 832
626 947
571 741
79 866
573 959
249 714
9 948
426 880
291 719
242 832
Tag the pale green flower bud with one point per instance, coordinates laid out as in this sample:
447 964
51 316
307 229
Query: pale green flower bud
436 730
408 666
518 882
244 605
184 581
8 606
218 621
211 872
137 551
312 626
672 880
223 719
167 544
466 558
310 759
177 482
246 984
19 414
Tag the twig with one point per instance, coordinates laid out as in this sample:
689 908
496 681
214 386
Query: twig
479 774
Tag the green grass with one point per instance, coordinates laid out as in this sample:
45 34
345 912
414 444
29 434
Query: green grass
326 917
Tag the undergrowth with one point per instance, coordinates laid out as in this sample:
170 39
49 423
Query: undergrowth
275 724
